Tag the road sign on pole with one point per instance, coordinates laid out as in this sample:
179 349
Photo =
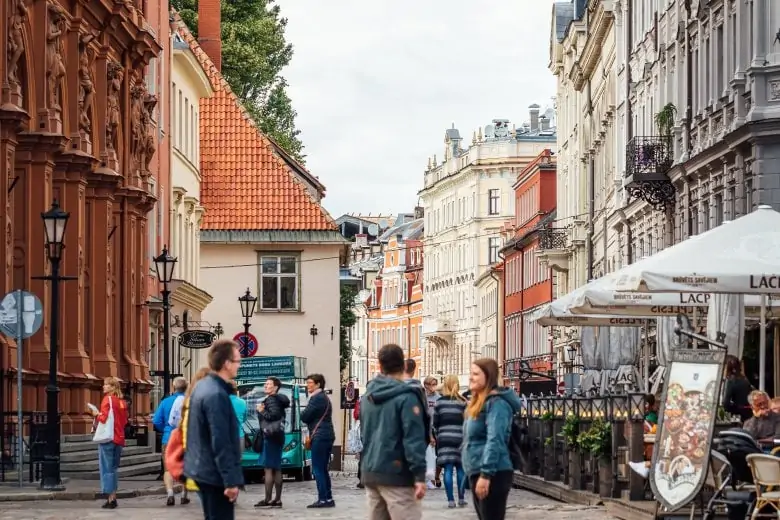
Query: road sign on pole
247 344
21 316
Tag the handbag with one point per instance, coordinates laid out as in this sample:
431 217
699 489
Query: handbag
174 455
307 440
104 432
354 442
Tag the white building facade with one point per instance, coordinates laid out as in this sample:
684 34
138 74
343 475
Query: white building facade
466 199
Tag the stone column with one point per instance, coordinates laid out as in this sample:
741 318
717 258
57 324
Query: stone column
739 207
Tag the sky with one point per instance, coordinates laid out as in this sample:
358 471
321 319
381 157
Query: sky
377 82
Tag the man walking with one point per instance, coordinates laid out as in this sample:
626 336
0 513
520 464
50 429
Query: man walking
213 453
165 422
394 433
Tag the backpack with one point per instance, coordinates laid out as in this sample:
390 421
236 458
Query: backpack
174 455
518 442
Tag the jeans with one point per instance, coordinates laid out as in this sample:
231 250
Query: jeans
493 506
320 460
449 469
216 506
109 455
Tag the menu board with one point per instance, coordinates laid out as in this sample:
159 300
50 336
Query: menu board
686 421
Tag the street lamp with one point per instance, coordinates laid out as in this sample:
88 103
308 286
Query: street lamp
571 352
54 223
248 303
218 330
164 265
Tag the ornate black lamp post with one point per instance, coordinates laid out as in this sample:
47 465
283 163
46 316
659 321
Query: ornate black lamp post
248 303
54 223
164 265
218 330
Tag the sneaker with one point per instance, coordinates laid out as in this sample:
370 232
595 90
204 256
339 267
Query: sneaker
110 504
462 503
316 505
185 501
171 501
431 485
451 504
640 468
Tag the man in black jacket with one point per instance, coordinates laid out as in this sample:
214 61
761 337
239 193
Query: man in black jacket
213 453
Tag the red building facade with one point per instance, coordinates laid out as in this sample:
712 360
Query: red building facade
527 285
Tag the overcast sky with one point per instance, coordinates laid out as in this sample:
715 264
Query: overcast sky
377 82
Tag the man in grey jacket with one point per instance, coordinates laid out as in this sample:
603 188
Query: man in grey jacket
212 457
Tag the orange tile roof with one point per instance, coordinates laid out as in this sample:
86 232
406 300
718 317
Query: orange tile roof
246 185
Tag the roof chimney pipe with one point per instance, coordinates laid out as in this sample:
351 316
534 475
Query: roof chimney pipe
534 111
210 30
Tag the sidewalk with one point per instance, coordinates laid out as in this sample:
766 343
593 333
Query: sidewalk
81 490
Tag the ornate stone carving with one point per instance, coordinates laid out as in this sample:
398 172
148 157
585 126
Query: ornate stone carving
113 112
18 11
150 102
86 83
142 105
55 65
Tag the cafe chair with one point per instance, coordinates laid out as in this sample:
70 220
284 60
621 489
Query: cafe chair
766 475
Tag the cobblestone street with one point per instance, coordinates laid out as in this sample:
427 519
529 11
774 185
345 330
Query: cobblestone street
350 504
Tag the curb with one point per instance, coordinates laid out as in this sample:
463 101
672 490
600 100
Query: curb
556 491
40 496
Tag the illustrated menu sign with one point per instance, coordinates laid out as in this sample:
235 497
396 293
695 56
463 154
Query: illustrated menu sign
686 421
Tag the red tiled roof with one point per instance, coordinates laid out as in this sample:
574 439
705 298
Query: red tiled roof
245 184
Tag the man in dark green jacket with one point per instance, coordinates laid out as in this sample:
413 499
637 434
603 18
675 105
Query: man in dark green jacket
394 435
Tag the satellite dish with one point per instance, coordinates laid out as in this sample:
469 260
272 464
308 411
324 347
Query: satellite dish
383 223
373 229
490 131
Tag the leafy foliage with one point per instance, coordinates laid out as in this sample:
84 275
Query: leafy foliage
347 319
571 431
597 440
254 53
664 119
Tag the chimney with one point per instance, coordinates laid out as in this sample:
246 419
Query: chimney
545 123
534 111
210 30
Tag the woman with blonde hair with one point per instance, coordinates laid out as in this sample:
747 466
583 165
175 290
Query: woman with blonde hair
113 408
448 417
486 458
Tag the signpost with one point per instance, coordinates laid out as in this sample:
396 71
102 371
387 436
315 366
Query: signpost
247 344
196 339
349 396
21 316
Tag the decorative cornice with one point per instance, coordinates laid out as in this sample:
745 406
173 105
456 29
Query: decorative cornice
178 194
187 294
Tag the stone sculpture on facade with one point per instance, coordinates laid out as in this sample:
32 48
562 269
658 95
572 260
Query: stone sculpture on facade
148 148
55 64
18 11
113 112
86 83
137 142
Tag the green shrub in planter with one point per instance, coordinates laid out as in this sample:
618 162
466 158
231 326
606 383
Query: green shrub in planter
571 432
597 440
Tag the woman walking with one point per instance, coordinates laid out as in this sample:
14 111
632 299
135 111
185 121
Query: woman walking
448 417
485 453
736 390
271 413
318 418
113 415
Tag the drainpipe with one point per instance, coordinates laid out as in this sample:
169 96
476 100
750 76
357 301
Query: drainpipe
688 84
591 192
500 352
629 115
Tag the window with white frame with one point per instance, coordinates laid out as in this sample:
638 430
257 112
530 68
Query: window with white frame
279 282
494 198
493 244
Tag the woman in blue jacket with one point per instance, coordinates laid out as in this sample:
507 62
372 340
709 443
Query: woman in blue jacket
486 459
318 416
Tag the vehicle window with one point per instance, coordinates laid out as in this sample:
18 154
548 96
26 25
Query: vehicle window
254 394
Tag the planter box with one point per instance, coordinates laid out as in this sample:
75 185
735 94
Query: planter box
605 478
576 480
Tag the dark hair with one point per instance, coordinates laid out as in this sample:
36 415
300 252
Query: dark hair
317 379
220 353
650 400
276 381
410 365
391 359
733 366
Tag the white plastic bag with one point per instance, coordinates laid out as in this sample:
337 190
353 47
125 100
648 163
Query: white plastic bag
430 463
105 431
354 442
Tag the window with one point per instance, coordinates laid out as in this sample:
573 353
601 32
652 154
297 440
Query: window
492 250
493 202
279 283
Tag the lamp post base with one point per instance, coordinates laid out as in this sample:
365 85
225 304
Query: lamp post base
51 481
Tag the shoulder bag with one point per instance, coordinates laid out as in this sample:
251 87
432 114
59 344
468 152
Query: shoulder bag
104 431
307 440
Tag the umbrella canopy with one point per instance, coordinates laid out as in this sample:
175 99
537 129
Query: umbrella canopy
741 257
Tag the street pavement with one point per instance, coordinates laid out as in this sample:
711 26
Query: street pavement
350 505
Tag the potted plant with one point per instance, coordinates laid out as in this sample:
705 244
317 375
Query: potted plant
570 432
598 442
664 119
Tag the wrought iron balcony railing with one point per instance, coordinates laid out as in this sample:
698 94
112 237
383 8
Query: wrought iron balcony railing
648 161
553 238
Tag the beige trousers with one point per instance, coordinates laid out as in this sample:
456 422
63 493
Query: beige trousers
393 503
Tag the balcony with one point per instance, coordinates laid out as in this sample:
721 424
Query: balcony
648 161
555 248
438 330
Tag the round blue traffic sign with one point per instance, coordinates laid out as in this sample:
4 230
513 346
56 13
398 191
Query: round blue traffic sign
247 344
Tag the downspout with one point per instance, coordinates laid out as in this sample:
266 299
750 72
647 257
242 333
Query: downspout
500 350
688 82
629 115
591 191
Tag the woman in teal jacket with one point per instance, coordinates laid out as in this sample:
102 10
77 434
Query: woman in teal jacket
486 459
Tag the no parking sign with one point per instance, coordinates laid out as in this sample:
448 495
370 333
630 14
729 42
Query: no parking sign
247 344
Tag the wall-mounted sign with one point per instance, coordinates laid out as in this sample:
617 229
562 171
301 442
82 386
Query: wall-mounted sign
349 396
259 368
247 344
196 338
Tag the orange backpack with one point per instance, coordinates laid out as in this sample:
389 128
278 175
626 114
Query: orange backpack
174 455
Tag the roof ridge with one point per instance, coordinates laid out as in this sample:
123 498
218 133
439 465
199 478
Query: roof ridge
221 86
